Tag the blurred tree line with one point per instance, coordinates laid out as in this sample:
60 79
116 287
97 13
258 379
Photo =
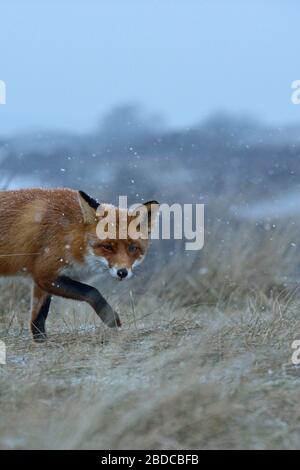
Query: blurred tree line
132 153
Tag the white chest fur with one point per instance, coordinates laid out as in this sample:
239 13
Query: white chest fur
92 265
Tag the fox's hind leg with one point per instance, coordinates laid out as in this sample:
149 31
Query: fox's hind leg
39 311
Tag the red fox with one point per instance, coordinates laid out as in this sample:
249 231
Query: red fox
50 236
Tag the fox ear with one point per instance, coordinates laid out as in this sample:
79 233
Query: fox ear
88 207
153 211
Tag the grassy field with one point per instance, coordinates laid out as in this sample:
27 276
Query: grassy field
203 359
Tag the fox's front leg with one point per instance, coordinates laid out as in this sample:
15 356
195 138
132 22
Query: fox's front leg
40 303
65 287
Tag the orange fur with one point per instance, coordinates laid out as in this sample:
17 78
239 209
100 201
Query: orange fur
35 228
47 233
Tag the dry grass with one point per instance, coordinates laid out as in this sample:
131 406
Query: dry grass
203 359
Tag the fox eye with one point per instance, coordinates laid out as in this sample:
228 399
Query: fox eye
132 248
107 246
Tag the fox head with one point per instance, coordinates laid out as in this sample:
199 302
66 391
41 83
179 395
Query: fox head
116 247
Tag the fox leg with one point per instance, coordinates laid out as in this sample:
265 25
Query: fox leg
39 311
65 287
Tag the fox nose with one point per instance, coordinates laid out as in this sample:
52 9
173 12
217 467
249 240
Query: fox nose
122 273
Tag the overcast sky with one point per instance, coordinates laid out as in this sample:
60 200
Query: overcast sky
67 62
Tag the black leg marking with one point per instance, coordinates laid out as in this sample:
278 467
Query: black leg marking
70 289
38 324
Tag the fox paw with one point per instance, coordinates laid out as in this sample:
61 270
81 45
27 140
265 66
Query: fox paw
110 317
38 333
39 337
